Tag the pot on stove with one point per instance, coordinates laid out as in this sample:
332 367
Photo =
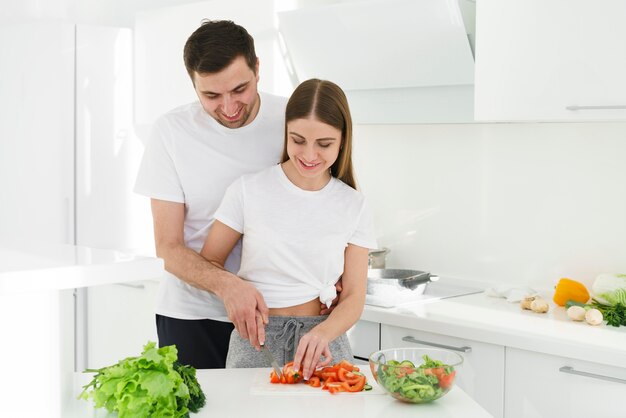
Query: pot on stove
376 258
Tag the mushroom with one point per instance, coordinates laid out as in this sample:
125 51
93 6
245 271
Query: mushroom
593 317
577 313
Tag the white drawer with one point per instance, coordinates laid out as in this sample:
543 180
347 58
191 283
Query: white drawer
545 386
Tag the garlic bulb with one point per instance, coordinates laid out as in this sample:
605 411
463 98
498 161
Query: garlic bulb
539 305
525 303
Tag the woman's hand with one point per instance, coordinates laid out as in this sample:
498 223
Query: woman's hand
312 346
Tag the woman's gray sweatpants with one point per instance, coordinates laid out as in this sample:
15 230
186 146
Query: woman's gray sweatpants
282 336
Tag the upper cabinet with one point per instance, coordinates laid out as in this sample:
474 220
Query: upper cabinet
37 132
560 60
399 61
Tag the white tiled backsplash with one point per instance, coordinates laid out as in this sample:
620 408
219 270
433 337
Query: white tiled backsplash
507 203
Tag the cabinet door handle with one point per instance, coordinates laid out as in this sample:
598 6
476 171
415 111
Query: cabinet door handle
464 349
134 286
609 107
571 370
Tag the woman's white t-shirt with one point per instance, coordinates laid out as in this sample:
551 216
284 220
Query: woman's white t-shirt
293 239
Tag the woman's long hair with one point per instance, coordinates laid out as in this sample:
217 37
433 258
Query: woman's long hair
327 103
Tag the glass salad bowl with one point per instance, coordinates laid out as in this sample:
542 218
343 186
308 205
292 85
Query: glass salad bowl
415 375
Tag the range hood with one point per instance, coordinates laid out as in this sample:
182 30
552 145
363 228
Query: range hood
412 57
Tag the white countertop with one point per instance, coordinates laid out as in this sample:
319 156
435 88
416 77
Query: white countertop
230 393
494 320
37 317
58 267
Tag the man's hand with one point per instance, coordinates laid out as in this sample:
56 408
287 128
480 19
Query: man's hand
247 310
325 310
242 300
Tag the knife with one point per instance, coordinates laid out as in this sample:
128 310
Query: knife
270 358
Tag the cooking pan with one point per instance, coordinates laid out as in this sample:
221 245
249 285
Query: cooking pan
414 280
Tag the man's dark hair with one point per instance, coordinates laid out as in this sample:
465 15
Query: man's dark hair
215 45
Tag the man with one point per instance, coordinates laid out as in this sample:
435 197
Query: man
195 152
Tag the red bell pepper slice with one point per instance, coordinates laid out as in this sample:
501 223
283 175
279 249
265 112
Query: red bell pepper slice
314 381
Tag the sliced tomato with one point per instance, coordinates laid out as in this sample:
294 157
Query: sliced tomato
345 364
334 387
435 371
356 386
445 381
328 382
292 375
403 371
329 375
347 376
340 377
274 378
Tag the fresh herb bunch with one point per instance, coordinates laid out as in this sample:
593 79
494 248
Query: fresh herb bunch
614 315
197 399
150 385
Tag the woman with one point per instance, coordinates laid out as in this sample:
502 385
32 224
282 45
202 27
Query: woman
304 226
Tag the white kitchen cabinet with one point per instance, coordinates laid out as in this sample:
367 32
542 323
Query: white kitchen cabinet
364 339
482 374
68 156
37 133
560 60
544 386
117 320
120 321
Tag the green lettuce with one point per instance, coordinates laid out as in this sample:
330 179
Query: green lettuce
145 386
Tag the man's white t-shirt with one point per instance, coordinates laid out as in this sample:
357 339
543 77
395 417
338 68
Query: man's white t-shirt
293 239
192 159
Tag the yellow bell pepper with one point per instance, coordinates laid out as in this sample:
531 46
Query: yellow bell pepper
568 289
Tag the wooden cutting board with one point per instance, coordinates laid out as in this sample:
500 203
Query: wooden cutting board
261 386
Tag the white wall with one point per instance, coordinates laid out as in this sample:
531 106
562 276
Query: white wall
523 203
161 81
514 203
95 12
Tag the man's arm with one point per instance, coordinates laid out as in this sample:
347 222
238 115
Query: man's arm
241 299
